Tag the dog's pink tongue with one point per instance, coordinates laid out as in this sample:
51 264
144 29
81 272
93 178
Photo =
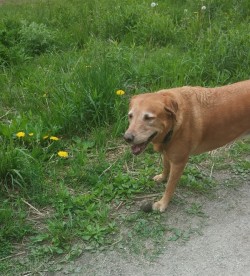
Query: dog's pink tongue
137 149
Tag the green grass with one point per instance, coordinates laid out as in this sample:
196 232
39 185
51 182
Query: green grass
61 63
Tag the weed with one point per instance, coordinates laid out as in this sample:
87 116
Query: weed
195 209
36 39
195 179
242 169
18 169
242 147
14 226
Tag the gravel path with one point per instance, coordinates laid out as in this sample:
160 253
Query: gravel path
223 249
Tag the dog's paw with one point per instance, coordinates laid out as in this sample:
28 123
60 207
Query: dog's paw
159 178
159 206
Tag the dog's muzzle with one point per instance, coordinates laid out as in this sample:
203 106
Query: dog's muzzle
138 148
129 137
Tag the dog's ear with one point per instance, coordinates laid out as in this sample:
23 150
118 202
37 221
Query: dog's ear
171 108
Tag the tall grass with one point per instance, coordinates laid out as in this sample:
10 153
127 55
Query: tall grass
61 63
126 45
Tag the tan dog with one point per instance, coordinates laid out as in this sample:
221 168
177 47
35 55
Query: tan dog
184 121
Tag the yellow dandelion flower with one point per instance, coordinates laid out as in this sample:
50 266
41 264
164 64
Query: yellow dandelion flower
31 134
120 92
63 154
54 138
20 134
45 137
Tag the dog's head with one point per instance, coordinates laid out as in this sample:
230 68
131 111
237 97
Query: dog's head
151 117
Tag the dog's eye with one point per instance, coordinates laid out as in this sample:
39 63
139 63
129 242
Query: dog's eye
147 117
130 116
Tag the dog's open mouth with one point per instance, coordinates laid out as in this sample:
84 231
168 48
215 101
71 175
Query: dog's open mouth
139 148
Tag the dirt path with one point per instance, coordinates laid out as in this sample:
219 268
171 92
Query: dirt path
222 249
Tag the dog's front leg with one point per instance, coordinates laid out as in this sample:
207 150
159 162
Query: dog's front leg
176 171
166 167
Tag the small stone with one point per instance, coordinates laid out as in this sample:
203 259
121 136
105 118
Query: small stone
147 207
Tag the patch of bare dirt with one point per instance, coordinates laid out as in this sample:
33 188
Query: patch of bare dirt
222 249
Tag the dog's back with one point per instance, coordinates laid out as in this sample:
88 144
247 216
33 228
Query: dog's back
224 114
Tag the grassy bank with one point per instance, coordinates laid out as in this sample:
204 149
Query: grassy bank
64 171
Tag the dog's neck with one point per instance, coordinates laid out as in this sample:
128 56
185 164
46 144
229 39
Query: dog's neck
167 137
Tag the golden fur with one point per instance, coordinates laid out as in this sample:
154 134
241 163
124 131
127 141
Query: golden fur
184 121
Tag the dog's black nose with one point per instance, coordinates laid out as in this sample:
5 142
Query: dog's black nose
129 137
